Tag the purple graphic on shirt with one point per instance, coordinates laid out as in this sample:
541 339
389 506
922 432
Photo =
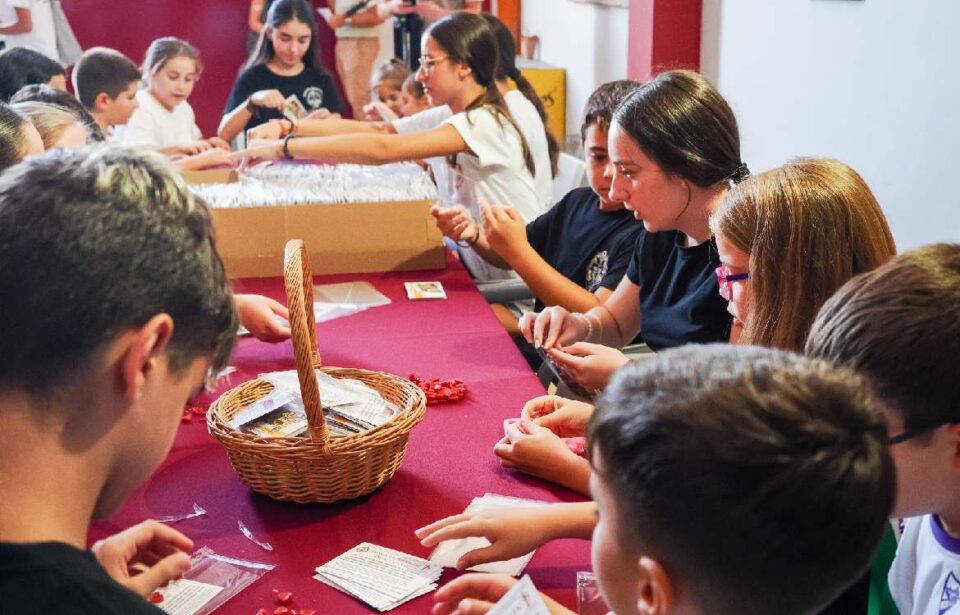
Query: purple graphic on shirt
950 594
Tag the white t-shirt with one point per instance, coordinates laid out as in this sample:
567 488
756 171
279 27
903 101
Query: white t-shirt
925 576
153 125
42 37
527 118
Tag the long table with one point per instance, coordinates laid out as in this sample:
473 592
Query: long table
449 458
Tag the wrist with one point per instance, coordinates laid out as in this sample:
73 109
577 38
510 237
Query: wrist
285 147
250 106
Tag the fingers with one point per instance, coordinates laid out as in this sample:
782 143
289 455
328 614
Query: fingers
425 531
583 349
278 308
526 325
167 569
476 586
564 360
539 406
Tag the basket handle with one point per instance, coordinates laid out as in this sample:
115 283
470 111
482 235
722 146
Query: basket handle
299 286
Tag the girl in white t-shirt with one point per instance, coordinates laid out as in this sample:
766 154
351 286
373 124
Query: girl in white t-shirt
486 151
33 27
164 120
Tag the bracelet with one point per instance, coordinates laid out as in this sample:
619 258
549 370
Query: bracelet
588 316
251 108
283 130
286 146
583 317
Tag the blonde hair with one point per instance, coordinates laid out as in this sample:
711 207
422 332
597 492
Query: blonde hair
391 73
808 226
49 120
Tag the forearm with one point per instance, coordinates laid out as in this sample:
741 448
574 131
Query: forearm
606 329
329 127
548 284
373 149
234 122
369 17
482 247
576 476
568 520
24 23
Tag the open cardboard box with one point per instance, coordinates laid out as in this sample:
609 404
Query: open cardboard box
340 238
211 176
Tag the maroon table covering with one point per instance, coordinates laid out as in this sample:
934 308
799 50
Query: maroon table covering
449 458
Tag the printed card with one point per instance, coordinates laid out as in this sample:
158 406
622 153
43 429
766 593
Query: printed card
424 290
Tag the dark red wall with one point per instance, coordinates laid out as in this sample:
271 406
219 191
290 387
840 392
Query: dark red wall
218 28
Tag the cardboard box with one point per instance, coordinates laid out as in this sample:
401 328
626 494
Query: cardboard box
550 83
340 238
211 176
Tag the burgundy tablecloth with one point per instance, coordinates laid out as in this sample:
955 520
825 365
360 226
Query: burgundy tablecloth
449 459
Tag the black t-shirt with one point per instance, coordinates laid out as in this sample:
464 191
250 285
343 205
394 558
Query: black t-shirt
590 247
53 577
680 302
315 90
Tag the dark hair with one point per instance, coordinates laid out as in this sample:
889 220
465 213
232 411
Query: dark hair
12 123
279 13
103 70
507 69
412 83
20 66
53 96
165 49
680 120
898 326
604 102
103 239
757 476
468 38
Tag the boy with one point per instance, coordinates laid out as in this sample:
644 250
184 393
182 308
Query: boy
899 327
115 308
728 480
106 83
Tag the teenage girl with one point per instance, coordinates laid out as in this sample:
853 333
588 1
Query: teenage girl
285 63
481 140
58 127
164 120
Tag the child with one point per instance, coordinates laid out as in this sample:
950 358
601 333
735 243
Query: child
386 88
57 126
415 98
770 230
20 67
898 327
728 480
481 140
92 388
286 63
358 43
34 28
164 120
576 253
106 83
18 137
61 98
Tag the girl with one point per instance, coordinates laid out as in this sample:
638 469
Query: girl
481 140
784 251
675 148
18 137
386 87
58 128
414 97
20 67
164 120
52 96
285 64
33 29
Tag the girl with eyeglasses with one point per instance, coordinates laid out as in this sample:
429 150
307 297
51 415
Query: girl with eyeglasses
487 157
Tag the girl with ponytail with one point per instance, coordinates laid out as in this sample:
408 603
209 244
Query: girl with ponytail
484 147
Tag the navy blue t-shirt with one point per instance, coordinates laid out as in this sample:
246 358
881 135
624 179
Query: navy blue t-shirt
680 302
590 247
315 90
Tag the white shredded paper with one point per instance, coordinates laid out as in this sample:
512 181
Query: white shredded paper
281 184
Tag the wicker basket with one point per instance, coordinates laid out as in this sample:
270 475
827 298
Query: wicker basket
318 467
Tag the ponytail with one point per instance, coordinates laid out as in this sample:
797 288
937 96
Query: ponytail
553 146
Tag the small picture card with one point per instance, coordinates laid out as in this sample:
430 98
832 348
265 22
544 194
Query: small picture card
185 597
522 599
424 290
293 109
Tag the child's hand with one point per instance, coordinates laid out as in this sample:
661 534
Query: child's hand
504 229
218 142
270 131
538 451
376 111
471 594
259 315
144 557
565 417
591 365
554 326
512 532
268 99
455 222
337 20
258 150
211 157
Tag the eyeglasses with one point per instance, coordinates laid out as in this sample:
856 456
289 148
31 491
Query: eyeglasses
725 278
910 434
427 63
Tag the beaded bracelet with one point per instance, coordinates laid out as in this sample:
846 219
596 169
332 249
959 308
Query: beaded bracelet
584 318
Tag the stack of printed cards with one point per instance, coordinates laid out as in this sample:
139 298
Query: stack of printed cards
380 577
424 290
449 551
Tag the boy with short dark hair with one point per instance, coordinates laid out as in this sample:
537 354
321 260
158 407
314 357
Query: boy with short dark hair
728 480
899 327
106 82
115 308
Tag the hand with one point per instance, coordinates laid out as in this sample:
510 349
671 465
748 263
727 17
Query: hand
258 150
218 142
591 365
512 532
269 131
431 11
401 7
337 20
471 594
259 315
538 451
144 557
554 326
212 157
455 222
505 229
322 113
565 417
200 146
376 111
188 149
268 99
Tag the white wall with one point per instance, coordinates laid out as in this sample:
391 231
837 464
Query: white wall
873 83
588 40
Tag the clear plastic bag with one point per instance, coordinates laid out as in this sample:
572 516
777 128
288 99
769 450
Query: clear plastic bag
193 595
589 600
